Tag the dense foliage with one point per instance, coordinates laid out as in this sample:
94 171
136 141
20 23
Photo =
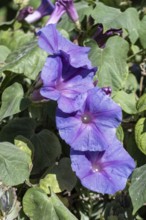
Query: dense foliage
39 158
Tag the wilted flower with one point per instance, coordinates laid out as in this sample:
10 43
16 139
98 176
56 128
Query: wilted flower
93 126
63 83
62 6
101 37
23 13
46 8
35 95
103 172
54 43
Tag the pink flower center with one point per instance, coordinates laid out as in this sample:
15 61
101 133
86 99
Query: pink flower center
96 168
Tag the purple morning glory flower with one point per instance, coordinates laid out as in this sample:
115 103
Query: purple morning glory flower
93 126
63 83
53 42
101 37
103 172
62 6
46 8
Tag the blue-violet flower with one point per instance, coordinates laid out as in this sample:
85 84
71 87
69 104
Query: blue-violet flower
63 83
93 126
54 43
103 172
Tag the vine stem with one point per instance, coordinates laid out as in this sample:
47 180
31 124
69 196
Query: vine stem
139 52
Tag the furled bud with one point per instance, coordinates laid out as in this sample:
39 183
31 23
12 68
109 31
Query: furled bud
46 8
23 13
61 7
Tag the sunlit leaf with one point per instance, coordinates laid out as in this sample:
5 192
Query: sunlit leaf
114 18
15 39
140 134
14 164
4 52
60 209
142 32
111 62
120 133
60 177
28 60
131 84
126 101
25 145
141 104
50 181
37 204
12 101
137 189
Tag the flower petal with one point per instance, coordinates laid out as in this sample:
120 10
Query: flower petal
103 172
53 42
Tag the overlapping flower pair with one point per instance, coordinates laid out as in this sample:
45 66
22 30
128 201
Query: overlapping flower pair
86 116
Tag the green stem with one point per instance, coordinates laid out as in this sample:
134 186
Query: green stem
133 55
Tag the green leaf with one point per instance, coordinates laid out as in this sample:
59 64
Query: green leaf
64 180
112 3
25 145
15 39
47 149
12 101
28 60
111 62
137 189
120 133
60 209
50 181
130 21
14 164
18 126
83 216
140 134
108 15
142 32
131 84
126 101
141 104
114 18
37 205
4 52
131 147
